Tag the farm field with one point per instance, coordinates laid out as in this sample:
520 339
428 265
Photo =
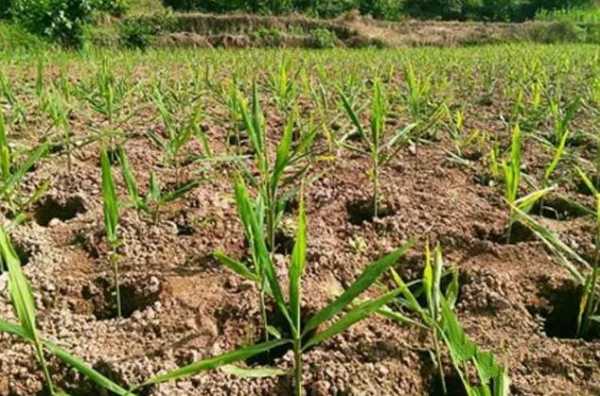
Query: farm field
351 212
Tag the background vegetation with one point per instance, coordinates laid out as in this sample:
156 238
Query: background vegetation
491 10
67 22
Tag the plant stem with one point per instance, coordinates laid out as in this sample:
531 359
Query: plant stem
298 366
155 215
176 171
42 361
583 326
438 357
263 313
376 187
115 264
271 203
510 224
68 148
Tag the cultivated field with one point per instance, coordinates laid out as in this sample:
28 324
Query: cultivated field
337 218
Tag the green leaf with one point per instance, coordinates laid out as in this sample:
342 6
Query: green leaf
86 370
15 178
154 190
23 302
461 349
14 329
587 181
366 279
355 315
402 135
428 282
181 191
258 372
411 300
436 295
109 195
72 361
353 116
502 384
398 317
3 138
5 166
563 252
214 362
298 263
282 157
236 266
524 204
274 332
492 377
253 224
452 290
19 289
558 154
130 182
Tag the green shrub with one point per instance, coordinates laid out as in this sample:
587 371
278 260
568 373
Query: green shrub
580 15
559 32
59 20
13 37
490 10
327 9
116 8
137 32
320 8
592 34
323 38
4 9
268 37
383 9
219 6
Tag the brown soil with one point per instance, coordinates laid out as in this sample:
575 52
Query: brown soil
182 306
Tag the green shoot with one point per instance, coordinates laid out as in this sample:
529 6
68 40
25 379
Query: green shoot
512 169
379 147
178 135
493 379
275 183
283 87
562 119
265 276
13 172
156 198
23 302
39 77
589 307
19 113
111 221
438 316
56 107
512 180
418 93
